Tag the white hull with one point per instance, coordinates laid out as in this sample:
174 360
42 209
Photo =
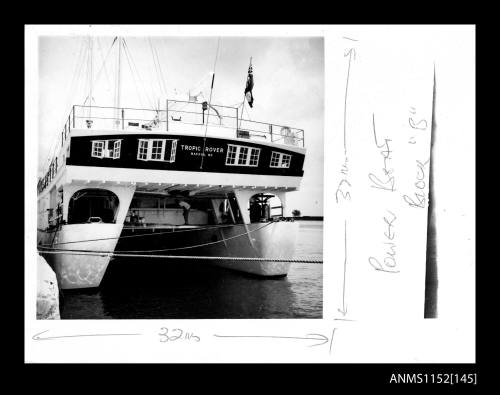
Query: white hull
256 240
276 240
81 271
258 268
246 239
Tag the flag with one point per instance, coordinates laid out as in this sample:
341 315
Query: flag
249 87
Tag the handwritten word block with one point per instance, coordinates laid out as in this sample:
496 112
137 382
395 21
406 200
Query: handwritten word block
381 172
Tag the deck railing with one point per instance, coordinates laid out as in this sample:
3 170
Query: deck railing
221 120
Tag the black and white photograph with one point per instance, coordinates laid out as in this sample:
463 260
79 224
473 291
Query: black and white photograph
178 156
250 194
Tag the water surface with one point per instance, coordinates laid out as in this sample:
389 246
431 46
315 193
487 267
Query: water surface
149 289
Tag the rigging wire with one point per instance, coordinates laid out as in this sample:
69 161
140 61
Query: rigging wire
156 62
91 73
126 47
80 81
78 68
199 86
104 58
161 71
75 80
103 67
133 78
82 66
153 89
209 104
155 73
87 62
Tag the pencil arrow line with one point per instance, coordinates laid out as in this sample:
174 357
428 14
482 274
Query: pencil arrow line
310 336
351 53
38 337
320 337
343 311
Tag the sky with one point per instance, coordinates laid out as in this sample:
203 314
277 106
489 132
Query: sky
288 76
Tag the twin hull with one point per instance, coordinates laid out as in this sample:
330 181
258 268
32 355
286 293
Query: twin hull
255 240
126 176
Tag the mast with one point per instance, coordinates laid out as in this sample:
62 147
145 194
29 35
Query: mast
91 76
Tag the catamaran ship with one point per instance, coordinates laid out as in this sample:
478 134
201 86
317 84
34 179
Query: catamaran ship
186 178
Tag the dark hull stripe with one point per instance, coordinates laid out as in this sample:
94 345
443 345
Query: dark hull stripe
187 158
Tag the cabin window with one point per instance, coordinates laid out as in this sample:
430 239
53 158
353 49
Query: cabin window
231 154
106 149
97 148
142 153
243 157
157 150
254 157
238 155
280 160
117 147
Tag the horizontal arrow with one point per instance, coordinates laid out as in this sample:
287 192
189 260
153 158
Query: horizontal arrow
310 336
38 337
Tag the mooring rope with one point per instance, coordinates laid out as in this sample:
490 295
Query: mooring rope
192 257
176 248
172 231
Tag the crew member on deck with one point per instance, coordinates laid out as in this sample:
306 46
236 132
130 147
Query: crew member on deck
185 209
134 218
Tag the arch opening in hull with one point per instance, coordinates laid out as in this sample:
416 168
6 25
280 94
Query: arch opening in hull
93 205
264 207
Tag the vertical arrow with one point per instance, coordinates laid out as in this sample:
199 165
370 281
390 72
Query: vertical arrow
343 311
351 53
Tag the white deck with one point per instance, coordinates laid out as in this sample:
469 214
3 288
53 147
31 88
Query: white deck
162 181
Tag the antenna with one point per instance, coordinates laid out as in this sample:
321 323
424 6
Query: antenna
118 82
209 105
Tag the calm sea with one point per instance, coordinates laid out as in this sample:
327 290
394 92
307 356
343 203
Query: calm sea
149 289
